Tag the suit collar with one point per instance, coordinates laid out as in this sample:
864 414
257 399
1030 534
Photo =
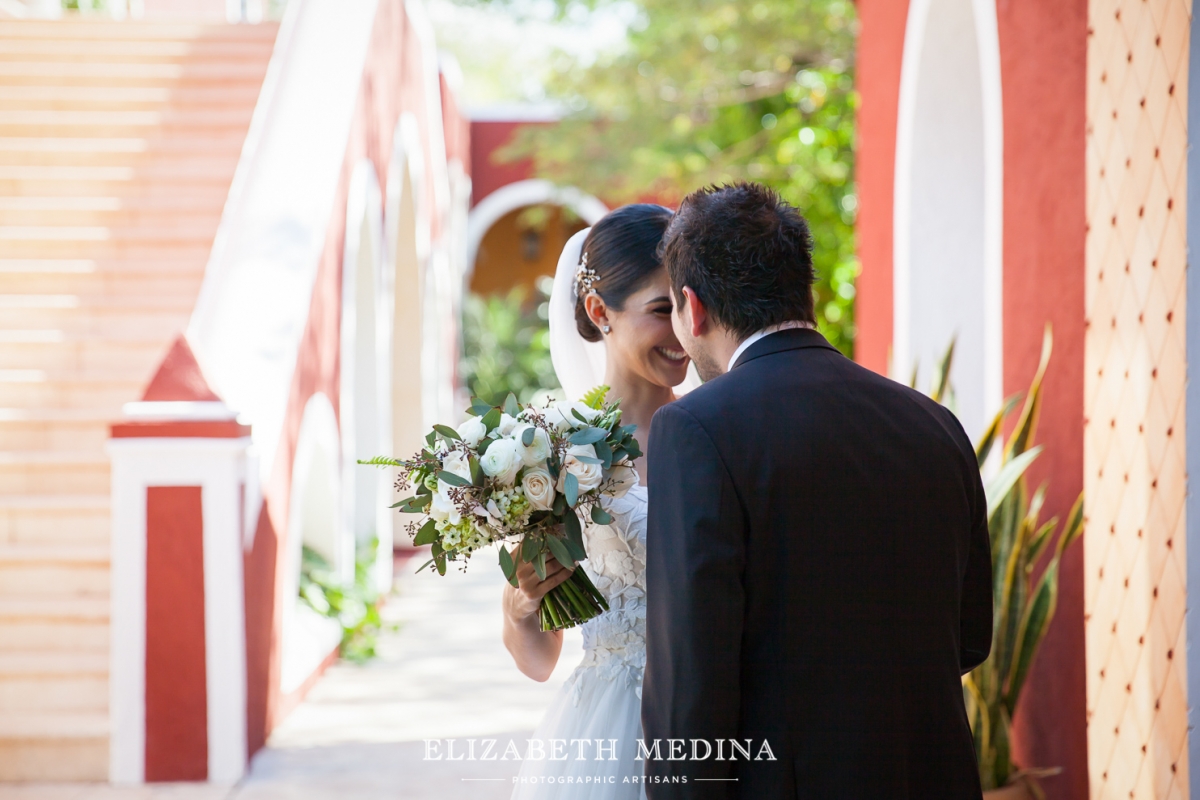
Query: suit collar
791 339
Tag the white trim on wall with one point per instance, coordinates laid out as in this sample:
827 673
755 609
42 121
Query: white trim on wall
985 394
520 194
218 467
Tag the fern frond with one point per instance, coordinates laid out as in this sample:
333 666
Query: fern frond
382 461
595 397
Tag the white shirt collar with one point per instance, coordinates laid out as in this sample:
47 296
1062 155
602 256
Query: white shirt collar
767 331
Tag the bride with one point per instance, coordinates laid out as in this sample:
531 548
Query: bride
610 323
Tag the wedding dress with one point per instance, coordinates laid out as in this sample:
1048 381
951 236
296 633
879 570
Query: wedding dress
597 713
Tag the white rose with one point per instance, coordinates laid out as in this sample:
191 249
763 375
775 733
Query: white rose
502 460
507 424
472 431
588 475
621 479
589 414
556 420
456 463
536 453
442 509
539 488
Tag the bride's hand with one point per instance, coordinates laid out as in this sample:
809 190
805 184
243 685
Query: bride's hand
522 602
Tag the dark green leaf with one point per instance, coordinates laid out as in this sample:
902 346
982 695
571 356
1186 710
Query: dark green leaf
510 405
600 516
539 565
476 470
483 446
479 407
574 532
571 489
588 436
452 479
560 551
529 548
604 453
491 419
560 505
440 563
427 534
403 502
508 565
575 413
589 460
447 433
431 438
527 436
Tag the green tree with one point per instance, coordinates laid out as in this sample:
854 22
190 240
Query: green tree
713 92
506 345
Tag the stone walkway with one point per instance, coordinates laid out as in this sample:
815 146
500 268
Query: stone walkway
359 733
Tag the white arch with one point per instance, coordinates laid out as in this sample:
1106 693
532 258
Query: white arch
365 396
519 195
313 519
948 269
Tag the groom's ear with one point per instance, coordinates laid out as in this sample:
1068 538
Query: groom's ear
694 314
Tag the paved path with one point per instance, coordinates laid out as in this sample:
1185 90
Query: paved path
359 733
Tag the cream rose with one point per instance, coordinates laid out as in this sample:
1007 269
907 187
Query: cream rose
539 488
588 475
502 460
536 453
621 479
472 431
456 463
507 425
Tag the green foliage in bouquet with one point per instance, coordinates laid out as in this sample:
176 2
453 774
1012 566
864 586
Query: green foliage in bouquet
354 606
524 474
1023 601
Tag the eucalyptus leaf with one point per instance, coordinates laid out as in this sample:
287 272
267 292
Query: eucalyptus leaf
448 433
588 436
479 407
476 470
491 419
510 405
508 565
589 460
452 479
539 565
600 516
527 436
427 534
560 551
571 489
573 530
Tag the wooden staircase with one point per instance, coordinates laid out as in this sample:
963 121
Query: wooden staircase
118 144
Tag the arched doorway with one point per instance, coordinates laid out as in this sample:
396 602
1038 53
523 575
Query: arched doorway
516 233
948 203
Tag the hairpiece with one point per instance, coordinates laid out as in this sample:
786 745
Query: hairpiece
585 277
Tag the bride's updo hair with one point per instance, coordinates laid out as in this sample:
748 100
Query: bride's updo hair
622 251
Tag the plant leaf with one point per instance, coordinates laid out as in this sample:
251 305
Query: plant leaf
452 479
595 397
527 436
539 565
508 566
600 516
559 550
1026 428
588 436
1034 623
491 419
574 532
476 470
999 487
381 461
943 373
984 448
571 489
447 432
479 407
510 405
427 534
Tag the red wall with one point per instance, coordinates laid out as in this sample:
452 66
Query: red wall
488 175
1043 50
1043 55
394 82
176 687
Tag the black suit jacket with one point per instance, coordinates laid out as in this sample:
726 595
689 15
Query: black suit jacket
818 575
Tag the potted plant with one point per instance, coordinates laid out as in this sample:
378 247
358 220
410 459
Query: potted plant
1024 598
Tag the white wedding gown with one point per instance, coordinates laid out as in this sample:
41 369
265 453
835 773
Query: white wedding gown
602 700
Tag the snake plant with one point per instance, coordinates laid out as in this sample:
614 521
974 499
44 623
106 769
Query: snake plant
1024 597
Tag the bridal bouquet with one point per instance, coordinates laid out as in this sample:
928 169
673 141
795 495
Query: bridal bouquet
524 474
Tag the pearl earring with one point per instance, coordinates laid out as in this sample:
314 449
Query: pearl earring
606 329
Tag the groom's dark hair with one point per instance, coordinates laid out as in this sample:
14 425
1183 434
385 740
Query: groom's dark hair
745 252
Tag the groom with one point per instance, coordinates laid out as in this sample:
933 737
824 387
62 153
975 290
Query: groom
818 565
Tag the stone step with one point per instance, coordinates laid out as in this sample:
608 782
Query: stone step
55 520
25 388
33 430
127 98
54 472
90 31
147 51
93 73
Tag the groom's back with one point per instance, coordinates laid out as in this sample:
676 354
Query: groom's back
863 592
